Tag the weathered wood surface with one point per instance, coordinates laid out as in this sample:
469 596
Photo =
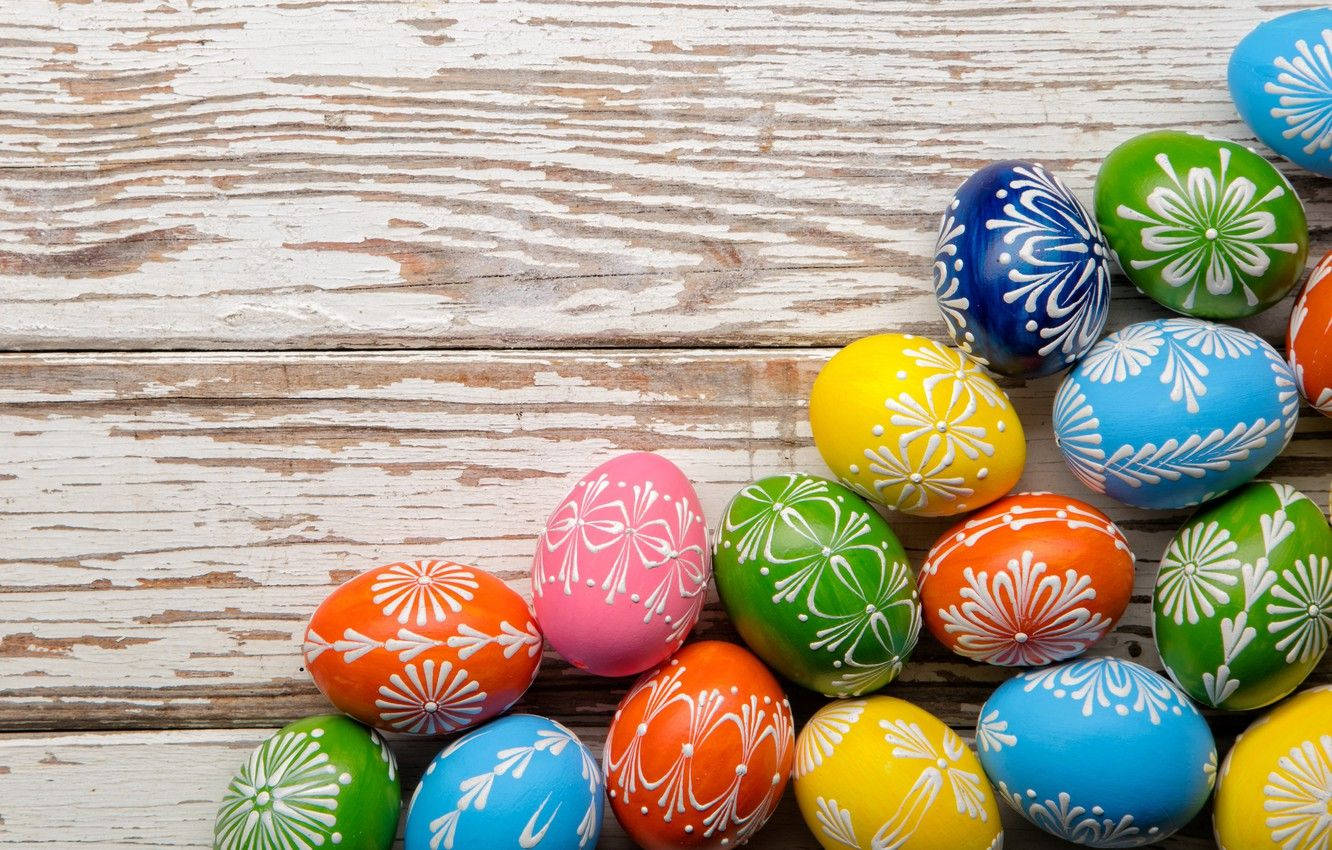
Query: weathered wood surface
398 173
405 174
171 521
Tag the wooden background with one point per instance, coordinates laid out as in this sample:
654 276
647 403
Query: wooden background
293 288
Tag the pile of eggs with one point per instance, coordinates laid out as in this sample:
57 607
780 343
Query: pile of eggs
1169 413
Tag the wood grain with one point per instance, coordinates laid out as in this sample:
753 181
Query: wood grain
271 174
171 521
110 791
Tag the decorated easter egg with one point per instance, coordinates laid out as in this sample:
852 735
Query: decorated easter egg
817 584
1275 785
1281 82
1309 338
1021 271
1097 751
916 426
880 772
1168 413
622 566
423 648
1205 226
1031 579
1243 599
699 750
324 781
516 783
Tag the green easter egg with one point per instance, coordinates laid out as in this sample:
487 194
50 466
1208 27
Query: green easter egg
324 781
1205 226
817 584
1243 600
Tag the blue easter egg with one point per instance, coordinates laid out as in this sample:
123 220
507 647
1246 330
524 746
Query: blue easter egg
1100 752
1171 412
518 782
1021 271
1280 77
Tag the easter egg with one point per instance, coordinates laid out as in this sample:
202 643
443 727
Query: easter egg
1205 226
915 425
1031 579
1168 413
324 781
1097 751
622 566
817 584
515 783
423 648
1275 785
1281 82
1309 338
880 772
1243 599
699 750
1021 271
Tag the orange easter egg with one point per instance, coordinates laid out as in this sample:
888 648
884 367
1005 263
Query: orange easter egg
1031 579
699 750
423 648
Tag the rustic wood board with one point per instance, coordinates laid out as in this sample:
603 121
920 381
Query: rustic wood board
388 173
674 208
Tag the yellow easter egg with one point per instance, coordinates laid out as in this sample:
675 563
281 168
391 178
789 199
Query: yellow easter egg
916 426
880 772
1275 787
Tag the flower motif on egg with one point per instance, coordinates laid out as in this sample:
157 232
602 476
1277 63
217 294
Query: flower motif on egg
1304 90
989 625
1298 796
1196 572
1031 579
286 794
1274 791
1303 609
319 781
1205 226
935 426
1208 228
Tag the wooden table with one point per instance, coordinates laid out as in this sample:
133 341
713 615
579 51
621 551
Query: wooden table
293 288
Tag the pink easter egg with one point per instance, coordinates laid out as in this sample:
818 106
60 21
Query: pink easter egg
622 567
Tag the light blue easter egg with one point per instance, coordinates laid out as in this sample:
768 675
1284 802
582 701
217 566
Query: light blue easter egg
1100 752
1021 271
1171 412
1280 77
519 782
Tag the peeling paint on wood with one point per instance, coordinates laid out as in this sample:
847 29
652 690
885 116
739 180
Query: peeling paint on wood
268 174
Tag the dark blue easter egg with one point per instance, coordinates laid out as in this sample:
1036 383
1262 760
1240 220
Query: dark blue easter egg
1021 271
522 781
1280 77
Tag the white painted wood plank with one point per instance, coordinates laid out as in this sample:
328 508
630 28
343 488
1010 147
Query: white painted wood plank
262 173
140 790
170 521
